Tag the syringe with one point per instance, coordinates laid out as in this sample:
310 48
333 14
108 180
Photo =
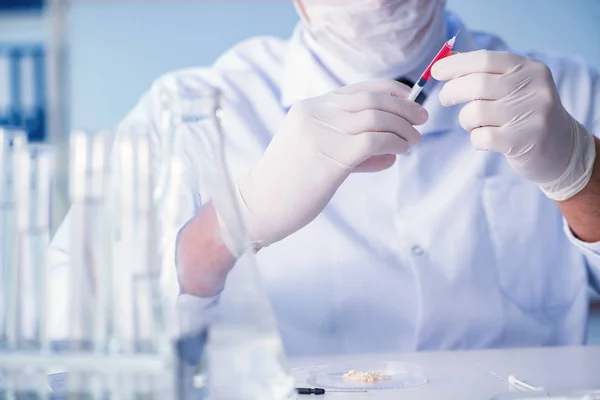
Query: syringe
443 53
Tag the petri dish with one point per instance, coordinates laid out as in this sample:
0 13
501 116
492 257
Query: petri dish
398 374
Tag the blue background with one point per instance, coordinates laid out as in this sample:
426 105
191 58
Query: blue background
119 48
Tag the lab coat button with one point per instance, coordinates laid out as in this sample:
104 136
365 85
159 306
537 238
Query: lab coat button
417 250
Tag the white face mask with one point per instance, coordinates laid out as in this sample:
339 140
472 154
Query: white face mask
377 37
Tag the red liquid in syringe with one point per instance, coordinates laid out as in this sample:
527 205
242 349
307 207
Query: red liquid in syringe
443 53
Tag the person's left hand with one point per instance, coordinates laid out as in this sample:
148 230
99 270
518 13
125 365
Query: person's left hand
514 109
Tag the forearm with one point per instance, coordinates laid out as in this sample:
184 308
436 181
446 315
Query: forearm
582 211
203 261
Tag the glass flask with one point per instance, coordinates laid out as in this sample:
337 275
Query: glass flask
233 335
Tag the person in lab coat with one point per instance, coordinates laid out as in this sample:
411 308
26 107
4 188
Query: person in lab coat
382 225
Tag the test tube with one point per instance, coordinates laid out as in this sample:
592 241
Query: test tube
135 277
91 240
145 273
9 139
136 228
89 273
33 174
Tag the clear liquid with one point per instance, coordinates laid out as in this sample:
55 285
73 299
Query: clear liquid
247 365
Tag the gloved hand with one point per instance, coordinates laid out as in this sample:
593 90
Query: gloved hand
322 140
514 108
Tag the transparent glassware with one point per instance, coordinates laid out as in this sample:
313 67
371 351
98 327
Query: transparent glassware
127 206
32 176
26 179
91 319
135 226
9 139
89 291
242 357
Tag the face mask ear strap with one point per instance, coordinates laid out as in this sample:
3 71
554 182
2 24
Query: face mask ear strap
301 11
303 16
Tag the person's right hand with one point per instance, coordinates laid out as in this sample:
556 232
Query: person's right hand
322 140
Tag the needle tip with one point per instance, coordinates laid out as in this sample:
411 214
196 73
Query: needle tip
453 40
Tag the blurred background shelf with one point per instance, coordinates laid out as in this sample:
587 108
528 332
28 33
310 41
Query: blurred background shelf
22 72
21 5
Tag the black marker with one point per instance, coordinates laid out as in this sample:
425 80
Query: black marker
316 391
319 391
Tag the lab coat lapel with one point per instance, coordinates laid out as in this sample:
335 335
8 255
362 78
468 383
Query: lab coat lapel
303 75
441 118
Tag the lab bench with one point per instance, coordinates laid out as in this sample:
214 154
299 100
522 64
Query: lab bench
479 374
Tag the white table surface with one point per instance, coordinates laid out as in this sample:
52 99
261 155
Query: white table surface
477 374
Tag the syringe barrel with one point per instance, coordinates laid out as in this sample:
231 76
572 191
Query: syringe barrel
443 53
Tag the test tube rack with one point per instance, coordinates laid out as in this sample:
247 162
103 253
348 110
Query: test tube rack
94 368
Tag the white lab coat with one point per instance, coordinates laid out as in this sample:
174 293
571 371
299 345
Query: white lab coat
448 249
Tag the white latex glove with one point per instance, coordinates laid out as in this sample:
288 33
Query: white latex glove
514 109
322 140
